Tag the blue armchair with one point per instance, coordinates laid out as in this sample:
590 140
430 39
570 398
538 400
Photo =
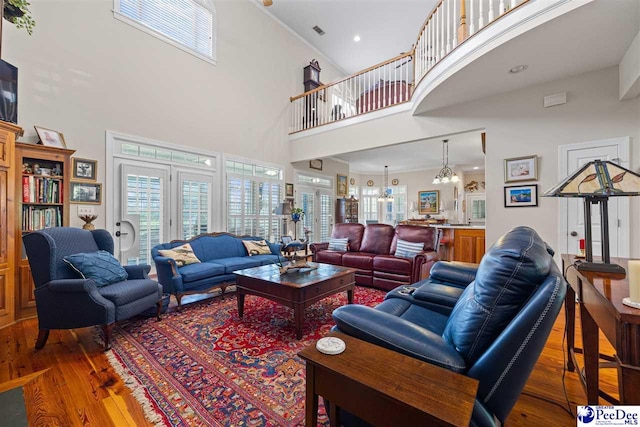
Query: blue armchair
66 300
493 332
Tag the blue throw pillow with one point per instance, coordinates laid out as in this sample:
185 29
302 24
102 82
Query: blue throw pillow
100 266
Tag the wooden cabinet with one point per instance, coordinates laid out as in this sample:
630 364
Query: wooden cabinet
347 210
42 201
8 134
468 245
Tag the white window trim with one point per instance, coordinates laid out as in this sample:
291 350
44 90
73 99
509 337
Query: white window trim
211 60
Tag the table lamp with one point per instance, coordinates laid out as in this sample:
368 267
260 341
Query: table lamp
284 209
595 182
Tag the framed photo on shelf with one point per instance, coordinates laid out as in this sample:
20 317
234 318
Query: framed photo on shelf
342 185
428 202
288 190
315 164
86 192
521 169
518 196
50 137
84 169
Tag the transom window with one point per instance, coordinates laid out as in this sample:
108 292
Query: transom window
187 24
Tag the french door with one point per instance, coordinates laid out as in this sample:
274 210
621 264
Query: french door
151 208
318 206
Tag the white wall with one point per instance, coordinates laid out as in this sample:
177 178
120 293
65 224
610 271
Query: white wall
83 72
516 125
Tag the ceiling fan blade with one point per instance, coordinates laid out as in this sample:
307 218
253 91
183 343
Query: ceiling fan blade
267 2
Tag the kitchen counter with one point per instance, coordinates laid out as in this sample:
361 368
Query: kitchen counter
460 227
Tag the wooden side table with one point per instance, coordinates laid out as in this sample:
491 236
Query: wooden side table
385 388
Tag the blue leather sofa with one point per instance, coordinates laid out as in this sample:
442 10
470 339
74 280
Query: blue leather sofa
492 328
220 254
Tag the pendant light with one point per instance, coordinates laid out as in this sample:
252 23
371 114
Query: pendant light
446 174
386 194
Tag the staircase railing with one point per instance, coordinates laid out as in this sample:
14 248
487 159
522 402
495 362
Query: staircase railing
392 82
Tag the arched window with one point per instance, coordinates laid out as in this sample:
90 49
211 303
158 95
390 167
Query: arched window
187 24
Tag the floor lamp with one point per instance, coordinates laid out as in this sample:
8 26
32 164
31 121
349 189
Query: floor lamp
595 182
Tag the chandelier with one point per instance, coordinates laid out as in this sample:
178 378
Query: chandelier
446 174
386 196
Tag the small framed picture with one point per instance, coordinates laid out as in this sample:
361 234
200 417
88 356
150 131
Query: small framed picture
342 185
50 138
518 196
86 192
428 202
85 169
521 169
288 190
315 164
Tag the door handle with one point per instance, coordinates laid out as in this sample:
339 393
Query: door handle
574 233
118 234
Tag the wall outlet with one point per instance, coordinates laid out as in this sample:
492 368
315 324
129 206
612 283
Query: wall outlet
86 210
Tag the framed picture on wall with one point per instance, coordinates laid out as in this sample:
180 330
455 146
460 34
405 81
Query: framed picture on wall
288 190
521 169
84 169
521 196
342 185
315 164
86 192
428 202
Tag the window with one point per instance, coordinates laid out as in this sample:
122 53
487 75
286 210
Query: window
253 192
369 204
187 24
396 210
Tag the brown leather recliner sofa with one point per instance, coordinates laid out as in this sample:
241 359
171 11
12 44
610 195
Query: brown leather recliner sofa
371 252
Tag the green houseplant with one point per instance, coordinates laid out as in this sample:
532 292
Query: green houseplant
297 214
17 12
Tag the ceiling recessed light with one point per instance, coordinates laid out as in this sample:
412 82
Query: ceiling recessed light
356 38
518 69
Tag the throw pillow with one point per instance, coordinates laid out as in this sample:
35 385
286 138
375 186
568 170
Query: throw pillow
100 266
257 247
406 249
182 255
339 244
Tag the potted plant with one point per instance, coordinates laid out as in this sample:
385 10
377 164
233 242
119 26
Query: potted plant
297 214
17 12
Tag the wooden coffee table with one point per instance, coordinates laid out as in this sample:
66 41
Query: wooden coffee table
297 290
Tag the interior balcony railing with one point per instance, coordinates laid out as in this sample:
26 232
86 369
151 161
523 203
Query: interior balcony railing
392 82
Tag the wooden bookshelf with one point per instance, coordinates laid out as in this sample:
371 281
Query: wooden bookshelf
42 201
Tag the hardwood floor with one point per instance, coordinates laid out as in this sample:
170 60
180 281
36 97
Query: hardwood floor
71 383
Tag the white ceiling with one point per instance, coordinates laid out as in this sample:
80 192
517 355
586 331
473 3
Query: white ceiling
386 27
465 153
592 37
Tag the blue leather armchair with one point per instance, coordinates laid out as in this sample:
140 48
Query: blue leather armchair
493 331
66 301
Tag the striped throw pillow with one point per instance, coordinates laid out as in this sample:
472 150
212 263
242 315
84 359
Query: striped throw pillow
406 249
339 244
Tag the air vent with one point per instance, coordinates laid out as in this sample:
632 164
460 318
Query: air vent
318 30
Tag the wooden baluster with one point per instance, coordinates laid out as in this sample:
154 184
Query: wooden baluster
480 13
472 26
463 31
490 19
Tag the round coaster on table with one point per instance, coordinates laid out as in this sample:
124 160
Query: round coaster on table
330 345
627 301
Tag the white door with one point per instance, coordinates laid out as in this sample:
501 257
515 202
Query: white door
142 211
476 208
318 207
572 209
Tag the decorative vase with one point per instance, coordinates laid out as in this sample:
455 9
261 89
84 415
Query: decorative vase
88 219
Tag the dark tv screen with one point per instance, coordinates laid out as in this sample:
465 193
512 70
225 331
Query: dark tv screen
8 92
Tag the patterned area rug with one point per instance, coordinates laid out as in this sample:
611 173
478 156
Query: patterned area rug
203 365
